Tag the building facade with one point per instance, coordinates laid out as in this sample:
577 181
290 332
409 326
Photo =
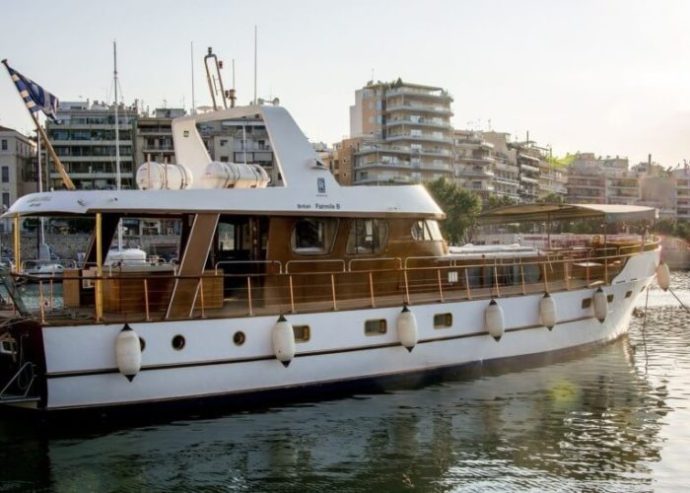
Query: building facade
474 162
410 131
18 172
84 139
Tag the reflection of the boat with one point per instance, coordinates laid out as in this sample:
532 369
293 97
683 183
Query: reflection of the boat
588 418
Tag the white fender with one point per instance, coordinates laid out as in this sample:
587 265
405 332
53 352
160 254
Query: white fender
493 320
128 352
663 276
547 311
283 338
601 305
407 328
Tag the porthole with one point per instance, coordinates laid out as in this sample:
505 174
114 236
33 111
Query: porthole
586 303
142 344
443 320
610 298
628 294
238 338
178 342
302 333
375 327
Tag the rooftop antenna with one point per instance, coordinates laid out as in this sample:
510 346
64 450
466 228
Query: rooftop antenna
193 112
255 60
118 176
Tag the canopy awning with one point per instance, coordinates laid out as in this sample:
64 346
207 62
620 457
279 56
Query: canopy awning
609 213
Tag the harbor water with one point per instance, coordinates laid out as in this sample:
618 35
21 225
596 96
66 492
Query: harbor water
616 418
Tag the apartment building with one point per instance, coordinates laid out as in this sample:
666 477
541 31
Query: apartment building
153 136
243 140
412 138
682 192
604 180
506 172
17 166
528 158
84 139
474 162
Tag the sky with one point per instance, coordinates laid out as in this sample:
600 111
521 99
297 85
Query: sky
609 77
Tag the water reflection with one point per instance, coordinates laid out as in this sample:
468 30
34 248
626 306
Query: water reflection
593 423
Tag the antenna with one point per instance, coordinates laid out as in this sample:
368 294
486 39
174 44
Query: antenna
212 79
255 60
193 112
118 176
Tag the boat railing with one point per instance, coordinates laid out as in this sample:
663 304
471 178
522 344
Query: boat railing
374 263
271 264
318 265
311 286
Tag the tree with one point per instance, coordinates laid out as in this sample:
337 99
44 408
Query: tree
461 207
551 198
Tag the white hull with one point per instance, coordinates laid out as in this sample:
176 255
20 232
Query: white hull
82 370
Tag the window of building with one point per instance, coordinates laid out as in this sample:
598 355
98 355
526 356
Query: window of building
4 144
6 199
313 236
5 174
367 236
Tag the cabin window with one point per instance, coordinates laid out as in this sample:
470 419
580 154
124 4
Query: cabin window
426 231
226 237
367 236
302 333
238 338
313 236
586 303
375 327
434 230
628 294
443 320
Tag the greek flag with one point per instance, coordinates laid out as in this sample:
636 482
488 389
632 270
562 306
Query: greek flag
35 97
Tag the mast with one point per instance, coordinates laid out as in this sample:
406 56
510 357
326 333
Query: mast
255 61
193 112
118 176
43 252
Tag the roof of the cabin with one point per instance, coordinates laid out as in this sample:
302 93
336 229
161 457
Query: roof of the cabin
412 201
309 187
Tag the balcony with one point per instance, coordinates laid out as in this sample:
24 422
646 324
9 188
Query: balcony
419 108
437 94
476 173
422 137
528 180
418 123
383 164
529 167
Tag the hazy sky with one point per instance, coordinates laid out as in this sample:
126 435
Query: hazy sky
611 77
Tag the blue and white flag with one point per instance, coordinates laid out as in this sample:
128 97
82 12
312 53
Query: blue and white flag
35 97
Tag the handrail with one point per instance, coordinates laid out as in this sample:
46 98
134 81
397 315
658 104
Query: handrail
398 260
16 376
249 262
315 261
339 285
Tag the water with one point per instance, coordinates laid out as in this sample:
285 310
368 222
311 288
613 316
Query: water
616 419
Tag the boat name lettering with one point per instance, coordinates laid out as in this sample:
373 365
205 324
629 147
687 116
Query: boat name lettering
330 206
303 206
